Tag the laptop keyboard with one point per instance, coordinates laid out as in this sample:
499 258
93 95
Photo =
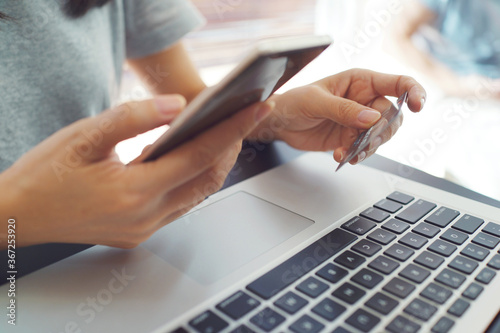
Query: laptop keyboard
376 265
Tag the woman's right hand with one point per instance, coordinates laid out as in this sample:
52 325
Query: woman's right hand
72 187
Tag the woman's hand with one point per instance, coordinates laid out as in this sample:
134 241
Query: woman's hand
73 188
329 114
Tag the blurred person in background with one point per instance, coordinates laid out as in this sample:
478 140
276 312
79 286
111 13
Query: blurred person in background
455 43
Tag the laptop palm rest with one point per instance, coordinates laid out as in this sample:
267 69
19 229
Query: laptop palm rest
212 242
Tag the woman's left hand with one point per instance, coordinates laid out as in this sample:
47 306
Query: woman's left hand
329 114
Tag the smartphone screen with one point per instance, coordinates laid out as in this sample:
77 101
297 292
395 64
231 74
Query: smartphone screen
255 82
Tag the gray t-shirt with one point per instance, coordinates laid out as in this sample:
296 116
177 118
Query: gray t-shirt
55 69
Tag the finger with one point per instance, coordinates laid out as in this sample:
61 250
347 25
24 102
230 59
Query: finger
202 152
382 138
340 110
204 185
139 158
129 120
397 85
348 137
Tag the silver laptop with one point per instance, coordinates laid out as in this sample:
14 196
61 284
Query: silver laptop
298 248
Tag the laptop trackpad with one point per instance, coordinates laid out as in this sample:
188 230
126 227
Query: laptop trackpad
213 241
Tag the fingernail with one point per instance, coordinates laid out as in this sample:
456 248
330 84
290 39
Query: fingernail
341 156
368 116
361 157
377 142
264 110
422 102
169 104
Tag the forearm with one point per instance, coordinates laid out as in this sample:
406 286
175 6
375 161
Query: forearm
169 72
8 212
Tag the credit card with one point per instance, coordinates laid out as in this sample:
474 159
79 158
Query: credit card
365 138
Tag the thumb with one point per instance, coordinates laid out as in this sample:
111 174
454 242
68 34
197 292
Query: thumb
340 110
130 119
350 113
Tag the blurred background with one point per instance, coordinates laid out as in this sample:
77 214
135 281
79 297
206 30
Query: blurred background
451 46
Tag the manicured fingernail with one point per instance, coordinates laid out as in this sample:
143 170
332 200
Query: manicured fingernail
169 104
361 156
264 110
341 156
422 103
377 142
368 116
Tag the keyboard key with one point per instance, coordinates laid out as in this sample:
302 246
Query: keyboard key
383 265
238 305
400 197
180 330
375 214
485 240
306 324
463 264
468 224
413 240
290 302
363 320
475 252
416 211
401 324
442 217
348 293
367 278
267 319
486 275
459 307
426 230
396 226
443 248
454 236
399 288
366 247
415 273
436 293
388 205
443 325
350 259
450 278
473 291
492 229
340 330
399 252
382 303
242 329
420 309
382 236
208 322
328 309
312 287
332 273
495 262
429 260
285 274
359 225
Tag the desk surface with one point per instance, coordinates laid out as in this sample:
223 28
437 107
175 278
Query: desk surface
254 159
